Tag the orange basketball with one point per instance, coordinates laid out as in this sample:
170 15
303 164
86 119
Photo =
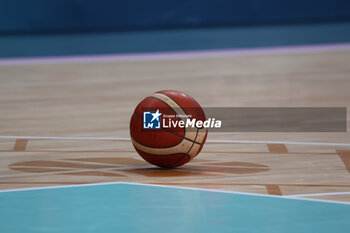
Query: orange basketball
163 129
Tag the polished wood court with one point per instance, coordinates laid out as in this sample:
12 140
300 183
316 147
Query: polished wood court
96 99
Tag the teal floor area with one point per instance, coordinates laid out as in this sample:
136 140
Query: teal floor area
141 208
13 46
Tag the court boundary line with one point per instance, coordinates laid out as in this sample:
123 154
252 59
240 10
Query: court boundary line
58 187
318 194
239 193
169 55
174 187
209 140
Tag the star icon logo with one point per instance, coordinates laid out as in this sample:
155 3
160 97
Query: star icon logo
151 120
156 115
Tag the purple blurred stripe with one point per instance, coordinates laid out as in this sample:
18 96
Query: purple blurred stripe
176 55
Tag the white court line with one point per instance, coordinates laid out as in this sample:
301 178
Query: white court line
66 138
239 193
318 194
175 187
281 142
57 187
177 54
210 141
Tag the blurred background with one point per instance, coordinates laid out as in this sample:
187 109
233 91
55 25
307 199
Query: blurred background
77 27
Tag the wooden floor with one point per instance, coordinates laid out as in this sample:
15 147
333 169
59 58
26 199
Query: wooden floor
96 99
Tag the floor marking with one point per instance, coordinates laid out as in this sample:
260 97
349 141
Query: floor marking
99 151
35 170
318 194
177 55
277 148
41 182
58 187
67 171
174 187
209 141
273 189
320 200
202 152
279 142
20 145
345 157
256 184
66 138
239 193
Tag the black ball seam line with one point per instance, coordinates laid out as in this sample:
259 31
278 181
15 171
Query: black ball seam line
195 102
189 157
155 147
165 154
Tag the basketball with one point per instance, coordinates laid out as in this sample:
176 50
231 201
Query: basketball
162 128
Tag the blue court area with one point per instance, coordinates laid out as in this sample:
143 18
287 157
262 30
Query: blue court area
141 208
13 46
